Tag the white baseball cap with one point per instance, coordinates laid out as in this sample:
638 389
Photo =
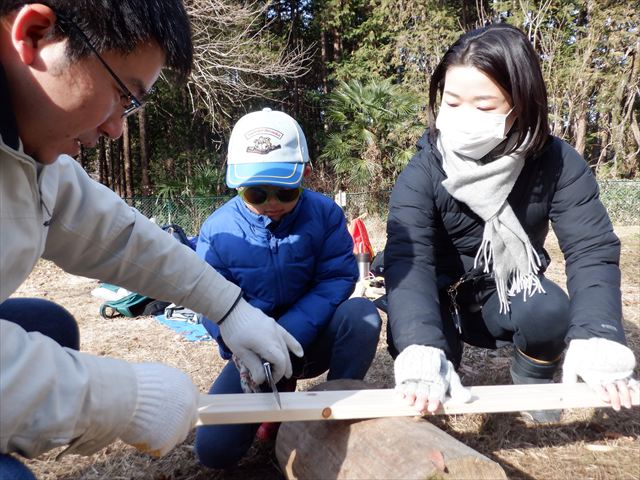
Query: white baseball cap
266 148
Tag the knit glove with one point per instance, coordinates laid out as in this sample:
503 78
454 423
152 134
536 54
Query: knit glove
421 370
166 411
255 338
597 361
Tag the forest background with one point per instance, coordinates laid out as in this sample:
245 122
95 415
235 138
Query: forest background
355 74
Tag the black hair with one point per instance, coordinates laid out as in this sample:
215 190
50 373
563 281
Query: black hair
121 25
505 54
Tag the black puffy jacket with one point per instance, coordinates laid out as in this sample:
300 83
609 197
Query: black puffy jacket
433 239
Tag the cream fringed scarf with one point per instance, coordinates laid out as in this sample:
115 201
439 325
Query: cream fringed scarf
505 245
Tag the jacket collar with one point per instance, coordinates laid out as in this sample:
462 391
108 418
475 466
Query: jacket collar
8 126
262 221
428 146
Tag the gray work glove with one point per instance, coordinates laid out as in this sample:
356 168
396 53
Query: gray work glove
166 411
606 366
254 338
424 376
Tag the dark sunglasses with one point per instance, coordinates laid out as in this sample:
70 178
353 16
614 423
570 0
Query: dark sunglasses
259 195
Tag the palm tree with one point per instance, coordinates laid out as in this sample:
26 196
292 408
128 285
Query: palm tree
190 201
207 181
374 127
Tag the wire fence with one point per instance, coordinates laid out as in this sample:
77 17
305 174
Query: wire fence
188 212
621 197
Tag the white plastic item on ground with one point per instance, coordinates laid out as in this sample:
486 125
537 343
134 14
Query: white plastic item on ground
109 294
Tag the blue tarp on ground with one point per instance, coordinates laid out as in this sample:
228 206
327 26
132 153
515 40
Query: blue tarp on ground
193 332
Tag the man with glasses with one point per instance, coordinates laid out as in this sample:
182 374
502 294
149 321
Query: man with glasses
69 72
289 250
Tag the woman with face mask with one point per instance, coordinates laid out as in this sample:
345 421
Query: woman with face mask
468 218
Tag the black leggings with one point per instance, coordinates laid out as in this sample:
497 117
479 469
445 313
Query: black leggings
536 326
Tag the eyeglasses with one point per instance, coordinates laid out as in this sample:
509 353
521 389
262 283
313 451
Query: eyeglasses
259 195
132 104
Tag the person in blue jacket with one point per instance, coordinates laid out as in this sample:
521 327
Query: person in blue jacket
289 250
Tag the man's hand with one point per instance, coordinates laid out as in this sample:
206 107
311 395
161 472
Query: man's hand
255 338
424 376
606 366
166 410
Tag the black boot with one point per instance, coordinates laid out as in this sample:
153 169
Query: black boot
526 370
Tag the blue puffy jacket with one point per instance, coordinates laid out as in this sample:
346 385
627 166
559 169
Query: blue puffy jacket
297 271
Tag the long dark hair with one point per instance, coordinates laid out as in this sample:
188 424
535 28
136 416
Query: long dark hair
505 54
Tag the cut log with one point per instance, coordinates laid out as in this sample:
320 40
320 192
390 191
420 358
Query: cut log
381 448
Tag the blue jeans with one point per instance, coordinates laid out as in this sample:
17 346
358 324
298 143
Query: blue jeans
48 318
345 347
13 469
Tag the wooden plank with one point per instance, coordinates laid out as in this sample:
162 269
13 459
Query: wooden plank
353 404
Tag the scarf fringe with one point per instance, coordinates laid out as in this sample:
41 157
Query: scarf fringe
486 252
517 281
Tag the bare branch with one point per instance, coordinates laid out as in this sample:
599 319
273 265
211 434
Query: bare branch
235 55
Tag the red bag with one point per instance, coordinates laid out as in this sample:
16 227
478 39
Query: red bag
361 243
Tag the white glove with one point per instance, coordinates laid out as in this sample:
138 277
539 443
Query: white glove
597 361
606 366
425 372
167 409
255 337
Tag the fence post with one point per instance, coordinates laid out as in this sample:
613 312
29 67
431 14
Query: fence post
341 199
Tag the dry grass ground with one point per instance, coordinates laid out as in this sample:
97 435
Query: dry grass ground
593 444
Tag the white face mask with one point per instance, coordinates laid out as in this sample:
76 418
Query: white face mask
471 133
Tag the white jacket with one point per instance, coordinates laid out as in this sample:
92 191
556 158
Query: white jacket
52 396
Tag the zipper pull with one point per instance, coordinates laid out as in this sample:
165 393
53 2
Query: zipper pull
455 315
453 305
273 243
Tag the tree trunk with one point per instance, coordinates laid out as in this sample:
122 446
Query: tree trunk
337 45
325 60
102 162
144 156
381 448
635 130
581 132
82 157
631 115
465 15
295 25
126 157
556 126
108 147
114 161
603 143
122 178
